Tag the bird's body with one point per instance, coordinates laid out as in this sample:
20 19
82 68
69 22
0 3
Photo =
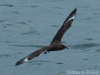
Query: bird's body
55 45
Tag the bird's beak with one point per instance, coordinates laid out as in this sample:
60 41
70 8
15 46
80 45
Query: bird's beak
66 47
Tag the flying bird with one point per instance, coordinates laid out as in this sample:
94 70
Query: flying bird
55 45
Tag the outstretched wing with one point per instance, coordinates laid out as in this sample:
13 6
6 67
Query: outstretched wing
32 55
66 25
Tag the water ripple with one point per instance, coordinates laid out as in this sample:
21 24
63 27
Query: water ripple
89 39
8 5
59 63
5 55
30 32
85 59
89 18
98 50
21 23
54 25
28 45
38 62
10 55
15 12
3 20
84 46
34 6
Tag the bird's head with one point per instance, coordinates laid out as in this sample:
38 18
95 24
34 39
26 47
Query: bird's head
63 46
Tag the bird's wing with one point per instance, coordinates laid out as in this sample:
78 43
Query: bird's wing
32 55
66 25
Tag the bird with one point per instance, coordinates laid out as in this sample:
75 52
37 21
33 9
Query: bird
55 44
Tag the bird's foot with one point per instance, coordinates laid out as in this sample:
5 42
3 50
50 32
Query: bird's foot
46 52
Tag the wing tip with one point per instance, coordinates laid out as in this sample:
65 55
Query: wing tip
74 11
72 15
21 61
17 63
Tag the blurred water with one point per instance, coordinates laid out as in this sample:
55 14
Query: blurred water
27 25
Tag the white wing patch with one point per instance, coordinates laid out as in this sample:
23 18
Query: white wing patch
25 60
71 18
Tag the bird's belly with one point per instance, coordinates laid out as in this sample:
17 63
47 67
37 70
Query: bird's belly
55 49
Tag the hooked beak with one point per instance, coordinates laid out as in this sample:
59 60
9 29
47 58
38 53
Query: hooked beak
66 47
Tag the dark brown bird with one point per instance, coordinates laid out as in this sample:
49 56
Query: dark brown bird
55 45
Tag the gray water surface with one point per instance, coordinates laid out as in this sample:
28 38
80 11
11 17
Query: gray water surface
28 25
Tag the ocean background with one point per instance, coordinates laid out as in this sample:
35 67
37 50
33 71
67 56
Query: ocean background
28 25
